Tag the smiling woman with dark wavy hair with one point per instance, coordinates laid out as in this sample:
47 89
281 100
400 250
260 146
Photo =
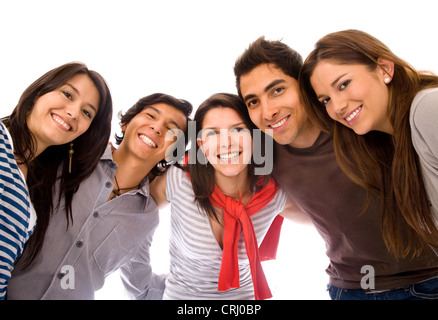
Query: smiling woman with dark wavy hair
62 119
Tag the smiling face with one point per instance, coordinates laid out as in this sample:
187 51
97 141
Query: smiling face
152 131
226 141
62 115
353 95
275 106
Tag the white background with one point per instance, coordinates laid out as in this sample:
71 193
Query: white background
188 49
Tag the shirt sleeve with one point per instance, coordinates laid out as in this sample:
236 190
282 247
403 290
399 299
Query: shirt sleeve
424 123
14 212
139 281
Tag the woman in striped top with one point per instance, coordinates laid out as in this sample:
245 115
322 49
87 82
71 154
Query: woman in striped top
220 209
67 109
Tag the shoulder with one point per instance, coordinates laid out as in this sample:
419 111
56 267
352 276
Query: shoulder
178 182
424 107
423 122
5 136
175 176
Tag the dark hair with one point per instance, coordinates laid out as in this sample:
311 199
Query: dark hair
262 51
202 176
45 170
379 162
184 106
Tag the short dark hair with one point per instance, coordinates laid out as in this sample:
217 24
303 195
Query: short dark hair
184 106
270 52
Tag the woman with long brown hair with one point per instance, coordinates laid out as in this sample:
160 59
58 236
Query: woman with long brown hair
57 132
221 209
383 115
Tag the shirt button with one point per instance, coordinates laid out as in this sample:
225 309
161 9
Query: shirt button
108 184
79 244
95 214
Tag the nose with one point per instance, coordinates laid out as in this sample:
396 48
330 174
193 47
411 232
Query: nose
225 138
339 106
157 128
72 111
269 111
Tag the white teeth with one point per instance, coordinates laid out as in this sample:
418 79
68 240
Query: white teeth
148 141
61 122
351 116
229 155
278 124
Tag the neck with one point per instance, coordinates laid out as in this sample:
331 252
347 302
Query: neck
130 172
307 136
23 169
237 187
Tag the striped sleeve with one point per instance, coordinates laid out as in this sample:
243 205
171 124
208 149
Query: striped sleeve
15 209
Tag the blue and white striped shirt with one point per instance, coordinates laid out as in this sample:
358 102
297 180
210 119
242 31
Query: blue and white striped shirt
16 216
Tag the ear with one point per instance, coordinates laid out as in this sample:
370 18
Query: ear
387 69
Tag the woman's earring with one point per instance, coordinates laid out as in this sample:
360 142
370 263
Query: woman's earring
70 156
387 80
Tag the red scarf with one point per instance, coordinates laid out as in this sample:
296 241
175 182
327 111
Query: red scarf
237 219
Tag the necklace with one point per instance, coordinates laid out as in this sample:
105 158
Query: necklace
239 196
117 189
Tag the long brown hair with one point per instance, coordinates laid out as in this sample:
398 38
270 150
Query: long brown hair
379 162
52 164
202 175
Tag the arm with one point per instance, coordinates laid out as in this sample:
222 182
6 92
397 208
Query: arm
14 202
293 213
139 281
157 190
424 119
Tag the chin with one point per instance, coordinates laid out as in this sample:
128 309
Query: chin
230 170
283 139
361 132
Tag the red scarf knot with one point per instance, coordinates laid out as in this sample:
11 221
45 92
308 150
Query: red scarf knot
237 219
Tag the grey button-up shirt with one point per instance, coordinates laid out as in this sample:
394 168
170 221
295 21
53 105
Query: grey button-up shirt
105 235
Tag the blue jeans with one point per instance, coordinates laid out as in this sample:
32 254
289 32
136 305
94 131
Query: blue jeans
427 290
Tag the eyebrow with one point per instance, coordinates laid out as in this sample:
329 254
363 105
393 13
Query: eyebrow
159 113
232 126
337 79
333 84
78 93
267 88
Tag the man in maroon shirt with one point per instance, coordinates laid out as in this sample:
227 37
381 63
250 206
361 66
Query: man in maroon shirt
305 166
